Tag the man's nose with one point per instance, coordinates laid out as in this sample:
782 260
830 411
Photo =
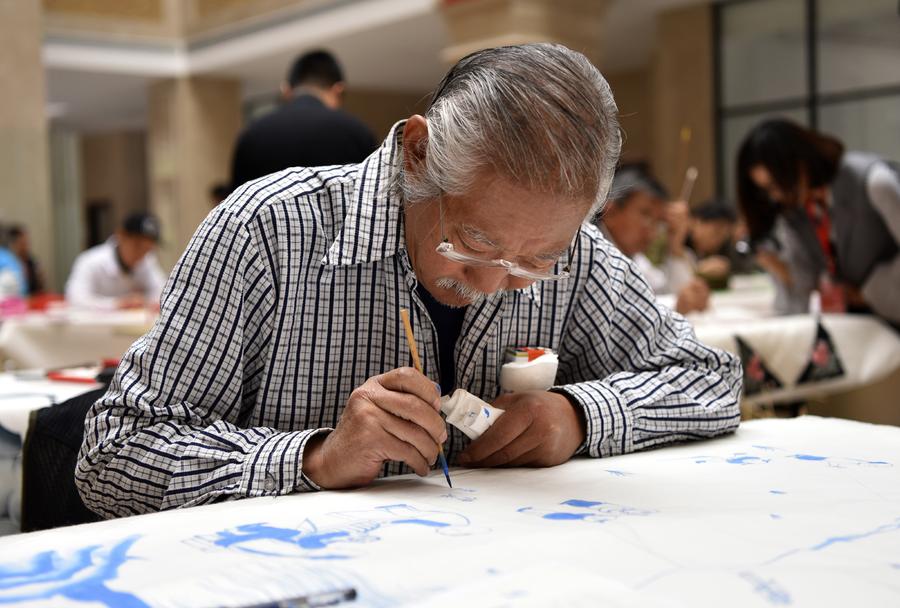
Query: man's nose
487 279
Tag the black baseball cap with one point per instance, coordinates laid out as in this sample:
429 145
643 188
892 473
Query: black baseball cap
142 224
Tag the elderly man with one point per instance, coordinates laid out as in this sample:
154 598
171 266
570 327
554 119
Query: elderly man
278 362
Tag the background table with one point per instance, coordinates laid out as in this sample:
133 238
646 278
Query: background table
803 512
66 338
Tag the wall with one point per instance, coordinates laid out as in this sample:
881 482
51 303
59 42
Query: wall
682 74
381 109
114 168
24 156
633 94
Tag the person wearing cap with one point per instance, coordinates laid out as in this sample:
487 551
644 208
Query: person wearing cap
123 272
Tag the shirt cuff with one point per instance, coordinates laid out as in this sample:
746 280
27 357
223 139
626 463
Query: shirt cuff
607 418
275 466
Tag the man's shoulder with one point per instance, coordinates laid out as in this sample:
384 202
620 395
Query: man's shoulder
305 193
609 265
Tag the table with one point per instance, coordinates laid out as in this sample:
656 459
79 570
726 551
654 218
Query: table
801 511
869 349
69 337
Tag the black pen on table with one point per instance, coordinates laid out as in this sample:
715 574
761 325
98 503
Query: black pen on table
313 600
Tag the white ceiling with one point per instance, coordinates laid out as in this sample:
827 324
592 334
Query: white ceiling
383 44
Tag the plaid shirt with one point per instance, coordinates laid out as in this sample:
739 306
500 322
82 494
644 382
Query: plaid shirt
287 298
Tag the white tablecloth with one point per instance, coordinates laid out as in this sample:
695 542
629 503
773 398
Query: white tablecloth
799 512
868 348
68 338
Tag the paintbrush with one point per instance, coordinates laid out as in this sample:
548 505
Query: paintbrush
410 338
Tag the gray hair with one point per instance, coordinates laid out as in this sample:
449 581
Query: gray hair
540 115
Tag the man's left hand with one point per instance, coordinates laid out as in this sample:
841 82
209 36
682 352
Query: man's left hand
538 429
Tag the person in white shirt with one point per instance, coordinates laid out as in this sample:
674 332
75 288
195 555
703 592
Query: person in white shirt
634 213
123 272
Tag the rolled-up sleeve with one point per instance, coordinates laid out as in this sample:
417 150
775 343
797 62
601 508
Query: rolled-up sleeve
175 428
638 371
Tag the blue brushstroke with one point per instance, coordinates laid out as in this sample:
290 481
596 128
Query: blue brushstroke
564 516
617 473
778 492
764 447
809 457
586 504
774 515
744 459
81 577
834 540
422 522
769 589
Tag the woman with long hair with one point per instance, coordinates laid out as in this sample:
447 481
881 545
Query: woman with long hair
822 218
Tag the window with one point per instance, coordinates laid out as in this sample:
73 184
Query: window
829 64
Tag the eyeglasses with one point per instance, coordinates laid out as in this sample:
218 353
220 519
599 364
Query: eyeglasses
446 249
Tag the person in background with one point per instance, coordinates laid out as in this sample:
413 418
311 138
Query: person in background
308 130
822 218
123 272
710 241
20 245
12 277
632 218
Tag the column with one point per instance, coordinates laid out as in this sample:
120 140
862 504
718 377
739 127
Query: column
684 116
192 127
24 162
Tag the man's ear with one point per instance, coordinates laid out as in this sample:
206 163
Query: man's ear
336 91
415 142
286 91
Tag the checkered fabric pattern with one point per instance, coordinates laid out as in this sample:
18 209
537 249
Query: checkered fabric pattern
288 297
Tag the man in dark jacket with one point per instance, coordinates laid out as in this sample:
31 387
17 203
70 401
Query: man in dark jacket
308 130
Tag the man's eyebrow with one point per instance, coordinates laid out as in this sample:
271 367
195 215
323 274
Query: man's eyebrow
476 234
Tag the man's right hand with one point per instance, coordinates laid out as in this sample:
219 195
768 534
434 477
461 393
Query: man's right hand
394 416
693 297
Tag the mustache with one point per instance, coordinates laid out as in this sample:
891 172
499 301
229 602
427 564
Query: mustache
466 292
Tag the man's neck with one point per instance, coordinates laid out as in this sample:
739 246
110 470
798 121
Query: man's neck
122 265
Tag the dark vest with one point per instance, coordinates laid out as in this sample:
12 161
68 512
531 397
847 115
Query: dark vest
861 236
862 239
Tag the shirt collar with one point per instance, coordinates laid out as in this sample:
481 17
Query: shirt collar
373 227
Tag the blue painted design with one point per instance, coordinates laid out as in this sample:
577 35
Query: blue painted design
487 412
809 457
566 515
615 473
745 459
764 447
574 502
777 492
81 576
584 510
317 541
774 515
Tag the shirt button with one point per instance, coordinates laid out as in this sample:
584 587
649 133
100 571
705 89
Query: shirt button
270 484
